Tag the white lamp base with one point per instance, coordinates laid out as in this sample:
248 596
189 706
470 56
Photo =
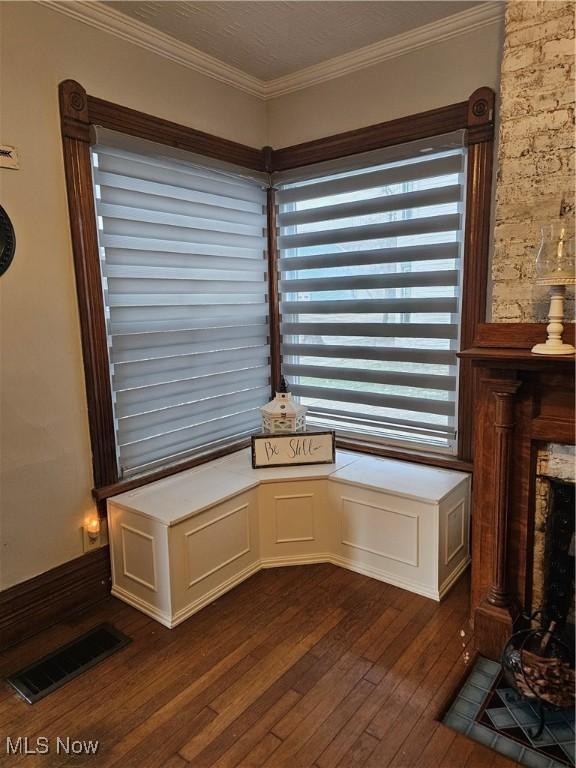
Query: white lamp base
553 349
554 344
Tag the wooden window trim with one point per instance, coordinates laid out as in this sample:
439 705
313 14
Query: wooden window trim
134 123
475 113
75 124
476 116
80 111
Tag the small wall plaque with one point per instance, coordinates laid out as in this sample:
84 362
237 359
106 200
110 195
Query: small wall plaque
292 448
9 157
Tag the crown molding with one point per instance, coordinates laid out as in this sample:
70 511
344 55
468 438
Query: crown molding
444 29
106 19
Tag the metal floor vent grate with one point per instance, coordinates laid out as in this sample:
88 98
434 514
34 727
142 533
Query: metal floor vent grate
57 668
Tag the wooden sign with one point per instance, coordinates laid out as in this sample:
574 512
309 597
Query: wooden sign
293 448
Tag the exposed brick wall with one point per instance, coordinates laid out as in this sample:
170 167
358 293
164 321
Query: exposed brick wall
535 176
535 170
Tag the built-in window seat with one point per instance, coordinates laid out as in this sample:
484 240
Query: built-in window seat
179 543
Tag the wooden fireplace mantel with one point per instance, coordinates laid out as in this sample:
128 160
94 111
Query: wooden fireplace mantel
519 359
522 401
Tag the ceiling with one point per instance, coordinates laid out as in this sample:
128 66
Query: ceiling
270 39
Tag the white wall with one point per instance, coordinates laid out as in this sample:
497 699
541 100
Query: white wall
46 465
430 77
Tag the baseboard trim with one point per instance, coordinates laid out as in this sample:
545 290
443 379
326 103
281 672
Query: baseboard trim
366 570
142 606
281 562
386 577
40 602
214 594
454 576
189 610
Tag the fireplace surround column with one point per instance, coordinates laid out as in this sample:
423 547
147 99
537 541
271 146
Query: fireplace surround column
494 619
504 393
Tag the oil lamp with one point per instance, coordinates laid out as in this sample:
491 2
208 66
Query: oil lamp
555 268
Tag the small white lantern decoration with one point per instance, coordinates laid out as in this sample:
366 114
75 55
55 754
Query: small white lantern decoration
283 414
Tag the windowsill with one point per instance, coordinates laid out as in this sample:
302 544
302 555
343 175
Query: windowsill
348 444
417 457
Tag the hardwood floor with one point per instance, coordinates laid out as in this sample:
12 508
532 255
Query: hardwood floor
302 667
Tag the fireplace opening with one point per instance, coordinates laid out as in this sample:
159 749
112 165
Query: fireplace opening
557 567
523 707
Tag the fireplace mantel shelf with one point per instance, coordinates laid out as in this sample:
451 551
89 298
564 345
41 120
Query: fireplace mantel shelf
522 359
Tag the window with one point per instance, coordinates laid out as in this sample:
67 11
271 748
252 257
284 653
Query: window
182 318
371 252
184 276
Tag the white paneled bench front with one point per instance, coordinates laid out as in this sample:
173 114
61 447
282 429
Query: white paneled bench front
403 523
179 543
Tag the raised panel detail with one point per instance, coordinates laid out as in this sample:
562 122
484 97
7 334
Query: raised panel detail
380 531
455 531
294 518
138 562
221 541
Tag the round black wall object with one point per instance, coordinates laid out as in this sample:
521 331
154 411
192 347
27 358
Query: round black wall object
7 241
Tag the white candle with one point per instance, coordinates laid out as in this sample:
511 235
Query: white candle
560 252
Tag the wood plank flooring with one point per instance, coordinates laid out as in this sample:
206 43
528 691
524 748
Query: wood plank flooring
302 667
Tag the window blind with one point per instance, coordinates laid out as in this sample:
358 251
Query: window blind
182 250
370 269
